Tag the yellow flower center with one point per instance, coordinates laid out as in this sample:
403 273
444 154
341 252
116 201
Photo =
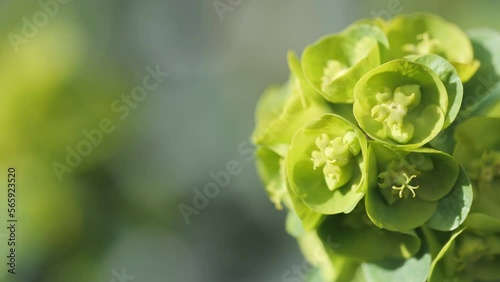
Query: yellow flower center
393 107
425 45
399 176
333 70
335 157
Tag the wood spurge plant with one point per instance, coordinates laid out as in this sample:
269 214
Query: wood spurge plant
384 148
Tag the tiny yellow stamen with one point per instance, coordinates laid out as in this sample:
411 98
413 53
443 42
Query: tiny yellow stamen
406 185
335 155
392 108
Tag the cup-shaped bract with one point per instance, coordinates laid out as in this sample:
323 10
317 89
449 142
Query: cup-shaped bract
370 210
280 113
282 110
401 103
334 64
422 34
410 185
354 236
271 169
449 76
326 164
478 90
469 255
478 150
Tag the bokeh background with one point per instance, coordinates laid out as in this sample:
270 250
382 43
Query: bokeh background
115 213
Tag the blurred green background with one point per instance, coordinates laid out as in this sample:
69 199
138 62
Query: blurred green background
118 205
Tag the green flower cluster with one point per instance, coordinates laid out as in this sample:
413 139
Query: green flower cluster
384 147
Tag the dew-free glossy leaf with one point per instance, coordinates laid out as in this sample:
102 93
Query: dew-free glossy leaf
403 215
270 167
397 213
310 219
438 273
477 139
364 241
308 183
485 43
449 76
453 209
474 136
423 34
482 223
335 63
468 257
315 254
294 224
414 269
281 111
379 103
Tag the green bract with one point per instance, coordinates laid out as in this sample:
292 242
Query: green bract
401 103
423 34
470 255
334 64
449 76
481 158
357 147
410 186
482 91
282 110
326 164
271 169
354 236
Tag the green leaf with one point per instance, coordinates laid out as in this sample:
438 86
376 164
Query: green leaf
480 86
489 105
453 209
478 150
485 270
472 139
438 272
335 63
422 34
354 236
309 218
449 76
414 269
294 224
270 167
433 173
315 254
401 103
373 28
438 182
469 257
309 182
403 215
482 224
315 276
281 111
